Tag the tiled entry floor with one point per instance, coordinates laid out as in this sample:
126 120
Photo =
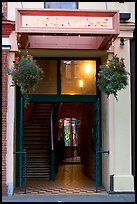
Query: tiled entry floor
69 180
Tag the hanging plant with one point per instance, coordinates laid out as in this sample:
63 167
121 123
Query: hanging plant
25 73
113 76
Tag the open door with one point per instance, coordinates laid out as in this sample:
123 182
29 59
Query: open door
69 138
98 170
19 137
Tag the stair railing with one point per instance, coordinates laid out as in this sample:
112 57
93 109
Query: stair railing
52 172
51 130
25 168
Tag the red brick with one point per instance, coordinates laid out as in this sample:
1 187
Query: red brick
4 119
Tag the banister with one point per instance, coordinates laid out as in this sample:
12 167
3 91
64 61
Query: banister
25 167
51 130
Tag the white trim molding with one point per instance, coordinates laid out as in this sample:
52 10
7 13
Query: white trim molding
6 44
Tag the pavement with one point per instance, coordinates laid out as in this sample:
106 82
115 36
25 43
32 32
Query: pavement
71 198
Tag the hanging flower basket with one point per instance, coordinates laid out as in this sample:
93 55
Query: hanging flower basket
25 73
113 76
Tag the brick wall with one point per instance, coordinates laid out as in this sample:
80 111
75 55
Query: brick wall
4 106
4 10
7 27
4 119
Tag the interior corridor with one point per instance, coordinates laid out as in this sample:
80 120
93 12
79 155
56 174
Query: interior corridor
69 180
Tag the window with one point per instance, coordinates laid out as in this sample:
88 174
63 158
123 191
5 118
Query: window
48 84
78 77
67 77
61 5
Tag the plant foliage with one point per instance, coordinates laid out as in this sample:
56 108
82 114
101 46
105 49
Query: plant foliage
113 76
25 73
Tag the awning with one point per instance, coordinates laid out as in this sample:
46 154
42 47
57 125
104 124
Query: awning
66 29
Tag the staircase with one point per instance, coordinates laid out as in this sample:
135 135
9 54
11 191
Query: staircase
37 142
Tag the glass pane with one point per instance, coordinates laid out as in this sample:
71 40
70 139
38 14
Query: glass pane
78 77
61 5
67 132
48 85
74 132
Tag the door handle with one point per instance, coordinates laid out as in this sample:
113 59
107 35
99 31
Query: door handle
103 151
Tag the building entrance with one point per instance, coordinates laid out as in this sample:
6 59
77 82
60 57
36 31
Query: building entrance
75 162
64 105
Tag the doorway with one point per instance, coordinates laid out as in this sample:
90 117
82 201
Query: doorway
69 140
74 115
77 168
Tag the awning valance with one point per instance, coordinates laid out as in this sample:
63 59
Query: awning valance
66 29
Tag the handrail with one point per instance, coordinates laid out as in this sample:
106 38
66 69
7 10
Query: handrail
25 168
51 130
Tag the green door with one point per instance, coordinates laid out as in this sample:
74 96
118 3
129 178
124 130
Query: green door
97 145
19 137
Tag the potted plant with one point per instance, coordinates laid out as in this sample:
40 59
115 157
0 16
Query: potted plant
25 73
113 76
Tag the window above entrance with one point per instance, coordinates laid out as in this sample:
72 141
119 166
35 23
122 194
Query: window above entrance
78 77
61 5
48 84
67 77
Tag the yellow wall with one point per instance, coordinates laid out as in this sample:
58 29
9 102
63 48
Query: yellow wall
122 7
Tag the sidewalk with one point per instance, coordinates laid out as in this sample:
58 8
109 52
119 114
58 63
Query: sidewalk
71 198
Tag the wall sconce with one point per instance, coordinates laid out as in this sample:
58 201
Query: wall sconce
87 68
81 83
122 41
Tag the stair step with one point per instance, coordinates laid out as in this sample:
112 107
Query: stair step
39 130
34 177
36 133
40 138
31 141
36 155
39 120
41 112
38 114
38 167
40 117
34 144
37 125
42 161
35 174
35 138
47 109
36 150
28 140
37 142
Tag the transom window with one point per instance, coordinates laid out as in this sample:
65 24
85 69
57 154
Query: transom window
61 5
67 77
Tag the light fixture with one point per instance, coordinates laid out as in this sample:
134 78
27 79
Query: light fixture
81 83
122 41
87 68
113 43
